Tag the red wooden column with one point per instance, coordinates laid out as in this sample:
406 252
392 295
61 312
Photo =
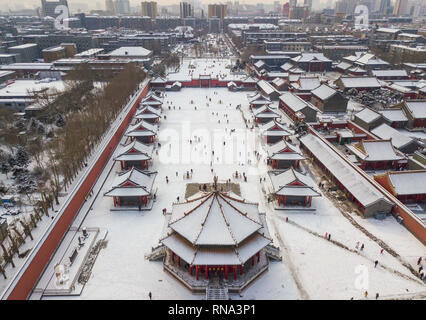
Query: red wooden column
173 257
190 270
258 256
305 200
178 261
196 272
310 201
252 260
226 272
121 165
207 272
115 201
235 272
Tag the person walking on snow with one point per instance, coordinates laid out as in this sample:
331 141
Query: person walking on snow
377 295
329 236
381 251
366 294
150 295
375 263
362 247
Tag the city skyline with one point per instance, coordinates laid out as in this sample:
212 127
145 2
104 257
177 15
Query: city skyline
100 4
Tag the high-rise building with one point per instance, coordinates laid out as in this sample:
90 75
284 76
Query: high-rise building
48 7
186 10
149 9
110 6
217 10
384 6
286 9
122 6
400 8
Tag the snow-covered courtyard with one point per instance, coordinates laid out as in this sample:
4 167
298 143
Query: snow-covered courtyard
312 267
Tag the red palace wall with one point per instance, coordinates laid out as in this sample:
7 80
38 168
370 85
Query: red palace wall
31 275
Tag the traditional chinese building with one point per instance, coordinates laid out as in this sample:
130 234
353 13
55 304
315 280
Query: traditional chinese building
328 99
132 189
407 186
293 188
152 100
282 155
265 114
134 154
297 109
378 155
274 131
259 100
143 131
216 234
149 114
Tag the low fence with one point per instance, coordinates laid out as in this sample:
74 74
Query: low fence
25 280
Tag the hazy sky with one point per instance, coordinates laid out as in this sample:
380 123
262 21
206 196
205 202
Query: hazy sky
21 4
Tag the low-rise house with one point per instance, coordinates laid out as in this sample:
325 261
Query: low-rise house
328 99
293 188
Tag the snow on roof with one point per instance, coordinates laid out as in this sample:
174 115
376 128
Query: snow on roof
129 51
274 128
287 66
324 92
214 221
278 82
283 150
132 183
260 99
266 87
417 108
369 58
142 129
344 65
284 183
389 73
148 112
310 57
360 82
25 88
265 112
294 102
307 84
399 139
376 150
408 182
356 184
135 151
259 64
367 115
394 115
